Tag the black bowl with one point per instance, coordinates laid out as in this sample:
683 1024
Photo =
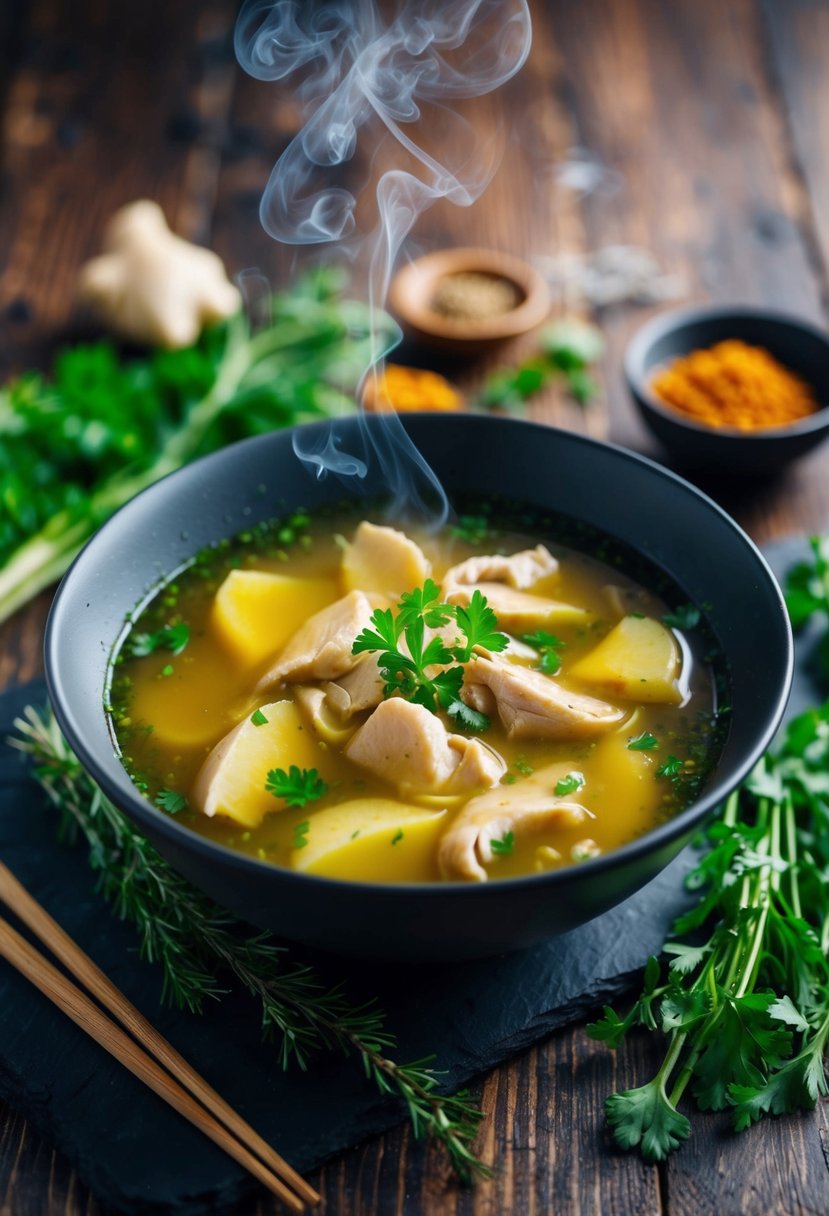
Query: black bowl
634 500
797 344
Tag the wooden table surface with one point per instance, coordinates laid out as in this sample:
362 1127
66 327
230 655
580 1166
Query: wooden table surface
711 118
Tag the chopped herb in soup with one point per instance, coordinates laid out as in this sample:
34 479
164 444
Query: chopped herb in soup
388 704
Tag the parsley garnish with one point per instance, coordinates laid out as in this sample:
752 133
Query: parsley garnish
408 674
167 669
171 801
569 784
297 786
645 742
466 716
258 718
504 845
686 616
301 834
474 529
171 637
547 645
398 836
671 767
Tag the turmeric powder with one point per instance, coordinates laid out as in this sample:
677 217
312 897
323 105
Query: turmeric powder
734 385
410 388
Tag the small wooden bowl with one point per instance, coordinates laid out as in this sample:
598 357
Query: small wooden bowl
413 288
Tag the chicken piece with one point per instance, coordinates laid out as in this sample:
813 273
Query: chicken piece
383 560
408 746
327 723
359 689
531 705
321 648
532 806
520 611
519 570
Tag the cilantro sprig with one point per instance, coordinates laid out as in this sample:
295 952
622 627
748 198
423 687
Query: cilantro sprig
297 786
548 646
744 1000
430 672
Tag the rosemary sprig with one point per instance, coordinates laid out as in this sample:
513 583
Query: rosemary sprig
196 944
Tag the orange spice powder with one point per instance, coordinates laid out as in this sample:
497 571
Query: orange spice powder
734 385
410 388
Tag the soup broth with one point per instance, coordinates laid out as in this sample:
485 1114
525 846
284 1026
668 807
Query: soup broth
583 714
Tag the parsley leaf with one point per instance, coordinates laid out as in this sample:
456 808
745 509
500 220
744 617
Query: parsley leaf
410 671
569 784
301 831
474 529
643 743
258 718
647 1118
671 766
686 616
466 716
397 837
548 646
171 801
297 786
171 637
504 845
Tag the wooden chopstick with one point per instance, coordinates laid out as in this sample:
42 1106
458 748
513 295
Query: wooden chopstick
266 1164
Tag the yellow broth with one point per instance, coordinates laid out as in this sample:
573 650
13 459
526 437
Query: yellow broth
169 710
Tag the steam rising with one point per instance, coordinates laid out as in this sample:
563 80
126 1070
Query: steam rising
368 85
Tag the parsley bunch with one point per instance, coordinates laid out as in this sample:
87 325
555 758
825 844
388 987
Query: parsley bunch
745 999
807 597
76 445
411 671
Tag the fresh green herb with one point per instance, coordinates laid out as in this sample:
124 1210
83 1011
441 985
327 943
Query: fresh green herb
196 944
467 717
171 637
75 447
645 742
548 646
568 347
171 801
686 616
522 765
807 598
672 766
297 787
167 669
397 837
301 832
474 529
408 673
504 845
258 718
569 784
745 1003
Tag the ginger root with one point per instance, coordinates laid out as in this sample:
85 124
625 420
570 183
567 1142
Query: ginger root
151 286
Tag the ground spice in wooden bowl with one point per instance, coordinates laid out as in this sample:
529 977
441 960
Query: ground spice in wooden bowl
473 295
733 384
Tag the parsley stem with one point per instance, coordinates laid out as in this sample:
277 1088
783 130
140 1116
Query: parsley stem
791 847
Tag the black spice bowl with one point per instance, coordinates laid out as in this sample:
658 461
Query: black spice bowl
801 347
642 506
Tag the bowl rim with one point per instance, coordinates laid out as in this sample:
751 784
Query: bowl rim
675 319
143 811
410 286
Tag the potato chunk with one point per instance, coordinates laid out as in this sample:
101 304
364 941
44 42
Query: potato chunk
638 660
231 782
255 613
370 839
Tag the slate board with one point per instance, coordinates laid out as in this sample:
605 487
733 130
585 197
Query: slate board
138 1156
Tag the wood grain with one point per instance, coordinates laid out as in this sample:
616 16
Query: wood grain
712 119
